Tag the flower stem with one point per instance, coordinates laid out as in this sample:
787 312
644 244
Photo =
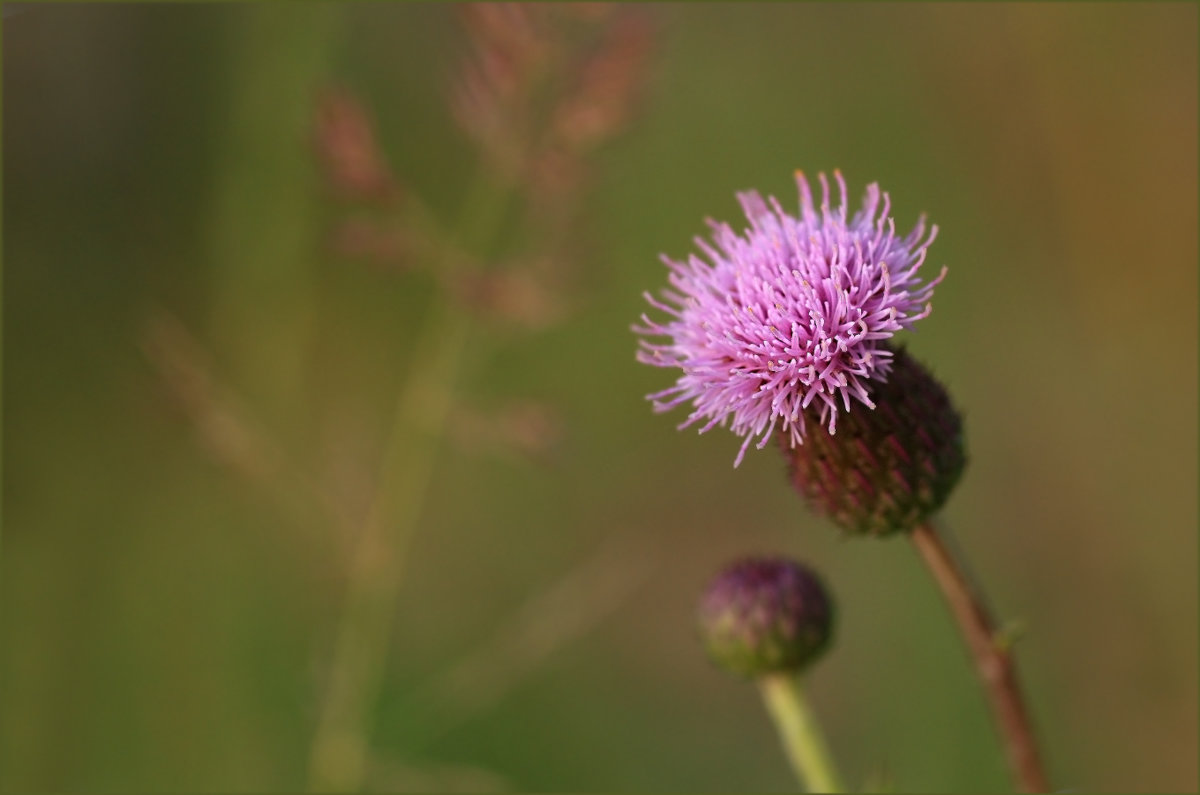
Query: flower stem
993 660
800 733
340 747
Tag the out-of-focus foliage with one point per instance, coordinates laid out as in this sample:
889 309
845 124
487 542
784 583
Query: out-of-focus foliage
170 586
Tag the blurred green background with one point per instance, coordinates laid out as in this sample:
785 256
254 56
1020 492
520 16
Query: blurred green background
167 623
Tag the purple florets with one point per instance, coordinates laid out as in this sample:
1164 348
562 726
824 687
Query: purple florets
788 315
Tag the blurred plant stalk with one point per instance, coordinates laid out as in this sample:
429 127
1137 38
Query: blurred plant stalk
517 99
340 747
264 208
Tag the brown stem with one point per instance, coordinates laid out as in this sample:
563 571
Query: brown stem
993 661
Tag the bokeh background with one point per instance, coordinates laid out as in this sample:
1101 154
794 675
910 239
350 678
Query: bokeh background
168 617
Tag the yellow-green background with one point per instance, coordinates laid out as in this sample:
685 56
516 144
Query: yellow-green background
165 626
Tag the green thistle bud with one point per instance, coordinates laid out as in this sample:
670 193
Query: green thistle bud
765 615
889 468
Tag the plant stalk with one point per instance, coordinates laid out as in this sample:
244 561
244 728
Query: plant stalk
340 750
800 733
993 659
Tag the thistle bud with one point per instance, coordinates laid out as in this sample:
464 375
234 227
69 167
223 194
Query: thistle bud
765 615
889 468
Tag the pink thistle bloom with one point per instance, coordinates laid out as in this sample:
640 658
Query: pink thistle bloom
789 316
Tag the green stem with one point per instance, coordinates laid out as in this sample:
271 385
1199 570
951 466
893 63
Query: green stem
800 732
340 747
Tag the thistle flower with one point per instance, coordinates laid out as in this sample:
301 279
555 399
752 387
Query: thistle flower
889 469
791 313
765 615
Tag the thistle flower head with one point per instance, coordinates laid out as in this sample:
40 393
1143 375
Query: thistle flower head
789 314
765 615
889 469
